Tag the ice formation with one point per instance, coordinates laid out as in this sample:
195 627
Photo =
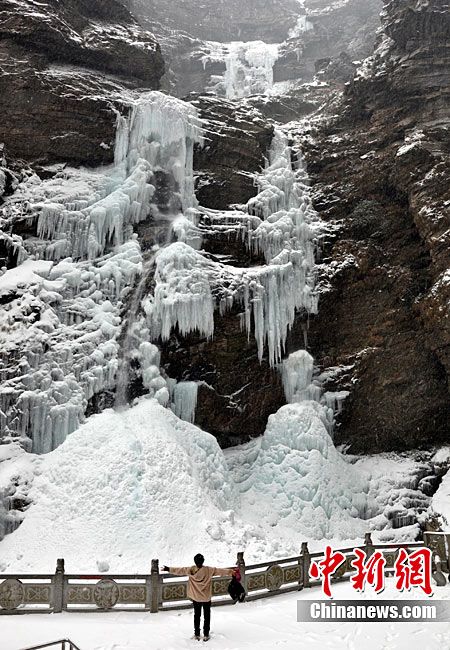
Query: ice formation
70 313
124 486
182 296
297 373
249 68
136 349
280 221
184 400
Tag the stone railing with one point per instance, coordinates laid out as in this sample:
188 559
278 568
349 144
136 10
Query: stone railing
36 593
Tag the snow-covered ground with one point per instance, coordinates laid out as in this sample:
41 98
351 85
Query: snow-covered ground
265 624
140 483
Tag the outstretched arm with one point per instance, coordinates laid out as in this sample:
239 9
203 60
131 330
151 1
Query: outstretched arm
224 572
179 571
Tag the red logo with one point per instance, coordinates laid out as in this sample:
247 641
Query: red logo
414 570
410 570
326 568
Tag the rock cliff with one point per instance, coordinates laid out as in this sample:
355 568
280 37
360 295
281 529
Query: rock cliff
381 179
63 67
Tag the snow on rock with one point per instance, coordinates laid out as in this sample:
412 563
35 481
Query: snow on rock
440 503
30 272
17 470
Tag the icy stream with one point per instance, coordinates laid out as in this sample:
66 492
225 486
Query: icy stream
249 68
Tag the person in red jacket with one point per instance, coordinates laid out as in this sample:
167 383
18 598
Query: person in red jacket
200 590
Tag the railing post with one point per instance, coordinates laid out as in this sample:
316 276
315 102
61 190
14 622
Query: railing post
437 574
306 563
148 592
241 567
58 587
368 544
300 572
154 582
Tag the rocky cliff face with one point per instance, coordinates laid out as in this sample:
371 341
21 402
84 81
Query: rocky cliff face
224 20
381 177
63 66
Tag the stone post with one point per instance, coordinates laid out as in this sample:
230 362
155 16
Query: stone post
154 582
58 587
368 545
306 563
241 566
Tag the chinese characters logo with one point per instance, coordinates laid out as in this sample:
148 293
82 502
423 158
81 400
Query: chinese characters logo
410 570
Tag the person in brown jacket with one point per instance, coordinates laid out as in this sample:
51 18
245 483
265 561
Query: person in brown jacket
199 590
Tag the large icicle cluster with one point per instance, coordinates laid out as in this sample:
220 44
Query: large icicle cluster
280 221
182 294
249 68
58 336
81 212
61 324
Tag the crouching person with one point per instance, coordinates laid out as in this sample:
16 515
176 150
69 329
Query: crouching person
200 590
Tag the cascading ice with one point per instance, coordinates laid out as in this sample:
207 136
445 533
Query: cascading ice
189 286
71 316
184 400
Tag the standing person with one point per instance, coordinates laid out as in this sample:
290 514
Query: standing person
199 590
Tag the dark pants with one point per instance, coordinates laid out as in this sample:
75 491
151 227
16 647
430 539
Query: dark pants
206 617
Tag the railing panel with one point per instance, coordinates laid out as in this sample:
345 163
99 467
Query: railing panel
20 594
439 543
105 594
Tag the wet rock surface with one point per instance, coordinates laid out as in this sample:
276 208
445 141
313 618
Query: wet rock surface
237 393
267 20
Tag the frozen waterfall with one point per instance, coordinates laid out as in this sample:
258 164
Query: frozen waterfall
249 68
63 325
82 212
283 224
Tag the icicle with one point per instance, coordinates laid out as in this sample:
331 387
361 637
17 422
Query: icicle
185 400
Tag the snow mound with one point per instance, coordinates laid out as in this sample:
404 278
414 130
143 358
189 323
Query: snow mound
306 484
137 484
